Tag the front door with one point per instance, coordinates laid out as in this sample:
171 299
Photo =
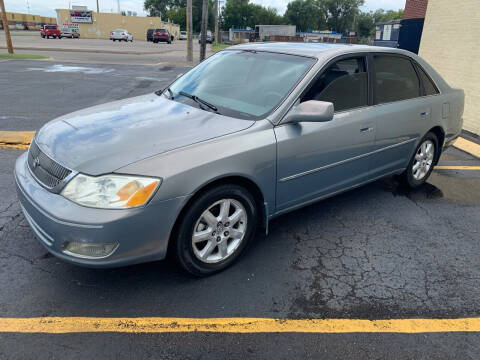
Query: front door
318 159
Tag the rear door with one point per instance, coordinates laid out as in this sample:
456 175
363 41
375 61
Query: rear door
402 114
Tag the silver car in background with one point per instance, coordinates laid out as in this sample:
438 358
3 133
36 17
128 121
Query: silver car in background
196 168
121 35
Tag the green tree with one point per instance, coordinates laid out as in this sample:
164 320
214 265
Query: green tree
366 20
175 11
243 14
305 14
341 14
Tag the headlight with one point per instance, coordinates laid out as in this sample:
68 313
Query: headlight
110 191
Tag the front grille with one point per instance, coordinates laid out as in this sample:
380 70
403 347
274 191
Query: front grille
47 171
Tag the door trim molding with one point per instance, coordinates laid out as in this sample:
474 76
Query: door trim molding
308 172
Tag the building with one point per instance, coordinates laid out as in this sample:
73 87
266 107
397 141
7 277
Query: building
450 44
18 21
93 25
415 9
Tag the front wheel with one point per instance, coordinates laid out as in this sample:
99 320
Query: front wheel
423 161
216 229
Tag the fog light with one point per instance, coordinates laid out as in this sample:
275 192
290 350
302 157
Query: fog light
90 250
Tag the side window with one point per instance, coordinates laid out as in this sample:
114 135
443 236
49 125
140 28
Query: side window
396 79
428 85
345 84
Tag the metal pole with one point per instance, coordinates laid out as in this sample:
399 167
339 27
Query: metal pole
189 32
6 28
203 40
98 8
216 22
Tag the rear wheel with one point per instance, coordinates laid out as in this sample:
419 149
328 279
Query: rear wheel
216 229
423 161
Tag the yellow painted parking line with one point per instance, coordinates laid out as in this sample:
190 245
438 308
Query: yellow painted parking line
61 325
16 137
445 167
467 146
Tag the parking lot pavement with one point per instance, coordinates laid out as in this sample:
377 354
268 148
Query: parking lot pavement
378 252
103 51
38 91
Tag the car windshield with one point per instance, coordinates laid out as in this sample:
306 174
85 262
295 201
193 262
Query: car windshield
51 27
242 84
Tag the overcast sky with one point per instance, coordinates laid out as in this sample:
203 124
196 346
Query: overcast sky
40 7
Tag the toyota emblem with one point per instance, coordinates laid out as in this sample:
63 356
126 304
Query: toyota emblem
36 162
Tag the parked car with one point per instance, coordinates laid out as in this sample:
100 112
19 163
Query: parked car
49 31
183 35
150 34
162 35
195 168
71 33
121 35
210 38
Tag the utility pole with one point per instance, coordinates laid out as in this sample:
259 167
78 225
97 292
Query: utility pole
189 32
216 21
6 28
203 40
98 8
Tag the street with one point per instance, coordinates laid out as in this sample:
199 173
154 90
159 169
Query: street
381 251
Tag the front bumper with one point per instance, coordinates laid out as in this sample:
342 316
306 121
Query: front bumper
142 234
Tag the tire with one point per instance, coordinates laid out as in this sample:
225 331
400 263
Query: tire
48 37
422 162
188 254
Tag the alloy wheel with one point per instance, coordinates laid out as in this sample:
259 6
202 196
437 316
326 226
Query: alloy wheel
423 160
219 231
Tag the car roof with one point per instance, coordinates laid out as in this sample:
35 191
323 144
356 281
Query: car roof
317 50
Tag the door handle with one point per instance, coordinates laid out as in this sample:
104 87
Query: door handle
366 129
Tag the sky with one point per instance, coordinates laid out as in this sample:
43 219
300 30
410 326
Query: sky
47 7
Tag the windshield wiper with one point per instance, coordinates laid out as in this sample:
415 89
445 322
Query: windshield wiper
199 101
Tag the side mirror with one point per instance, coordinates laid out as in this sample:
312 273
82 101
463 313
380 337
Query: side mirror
310 111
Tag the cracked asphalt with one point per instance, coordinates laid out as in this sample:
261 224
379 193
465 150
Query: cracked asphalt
378 252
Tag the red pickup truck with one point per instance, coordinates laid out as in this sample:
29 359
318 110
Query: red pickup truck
50 31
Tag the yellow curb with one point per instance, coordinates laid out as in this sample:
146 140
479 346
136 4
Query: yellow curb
468 146
446 167
16 137
61 325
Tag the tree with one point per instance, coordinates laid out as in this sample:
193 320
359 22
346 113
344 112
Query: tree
366 20
174 10
305 14
341 14
243 14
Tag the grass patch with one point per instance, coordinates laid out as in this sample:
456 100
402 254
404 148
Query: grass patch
23 56
219 46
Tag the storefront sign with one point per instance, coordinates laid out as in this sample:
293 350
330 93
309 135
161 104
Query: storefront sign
79 16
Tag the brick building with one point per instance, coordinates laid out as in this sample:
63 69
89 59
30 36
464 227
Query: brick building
450 44
415 9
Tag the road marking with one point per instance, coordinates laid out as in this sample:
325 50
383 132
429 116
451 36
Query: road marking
61 325
467 146
440 167
16 139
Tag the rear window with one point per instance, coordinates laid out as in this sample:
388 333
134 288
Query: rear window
396 79
52 27
160 30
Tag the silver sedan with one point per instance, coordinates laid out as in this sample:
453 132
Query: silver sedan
253 132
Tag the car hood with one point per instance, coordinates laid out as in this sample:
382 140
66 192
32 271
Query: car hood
107 137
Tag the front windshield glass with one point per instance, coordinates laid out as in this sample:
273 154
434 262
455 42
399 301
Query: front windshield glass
243 84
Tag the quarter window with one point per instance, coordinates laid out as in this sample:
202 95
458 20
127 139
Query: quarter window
345 84
396 79
428 85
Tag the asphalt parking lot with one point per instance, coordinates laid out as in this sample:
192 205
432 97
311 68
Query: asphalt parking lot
378 252
94 51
